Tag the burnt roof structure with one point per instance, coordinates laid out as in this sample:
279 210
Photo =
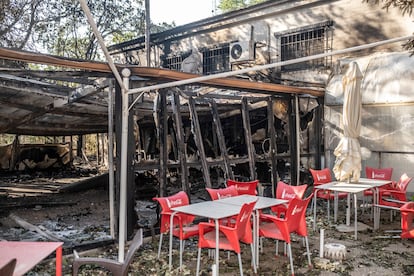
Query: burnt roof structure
74 100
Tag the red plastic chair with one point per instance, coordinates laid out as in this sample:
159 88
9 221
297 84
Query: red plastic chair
324 176
216 194
377 173
244 187
286 191
294 222
396 195
222 193
183 223
230 237
407 218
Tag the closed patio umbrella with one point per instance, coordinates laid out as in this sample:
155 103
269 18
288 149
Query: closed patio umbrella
348 151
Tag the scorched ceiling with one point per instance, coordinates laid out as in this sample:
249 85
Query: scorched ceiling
75 100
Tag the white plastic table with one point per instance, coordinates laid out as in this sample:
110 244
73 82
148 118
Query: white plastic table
261 203
352 188
224 208
208 209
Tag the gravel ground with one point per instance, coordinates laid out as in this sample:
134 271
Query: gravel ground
85 217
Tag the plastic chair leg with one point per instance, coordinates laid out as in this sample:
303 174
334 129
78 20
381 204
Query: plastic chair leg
240 264
159 246
307 251
198 261
291 259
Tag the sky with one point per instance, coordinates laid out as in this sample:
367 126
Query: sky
180 11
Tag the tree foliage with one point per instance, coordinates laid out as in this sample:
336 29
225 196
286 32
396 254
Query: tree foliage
60 27
232 5
406 7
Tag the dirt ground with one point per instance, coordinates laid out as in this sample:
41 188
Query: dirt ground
82 217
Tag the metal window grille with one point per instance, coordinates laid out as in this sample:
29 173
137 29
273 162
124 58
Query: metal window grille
173 62
216 60
302 43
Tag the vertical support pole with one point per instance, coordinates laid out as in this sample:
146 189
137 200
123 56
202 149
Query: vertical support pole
124 167
199 141
297 124
163 133
182 154
273 144
248 138
221 140
292 141
111 160
318 134
147 32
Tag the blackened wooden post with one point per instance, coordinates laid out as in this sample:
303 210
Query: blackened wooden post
317 127
182 154
221 139
272 144
199 141
248 138
163 131
293 142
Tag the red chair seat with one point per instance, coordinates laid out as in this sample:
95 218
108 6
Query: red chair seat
229 236
407 219
293 222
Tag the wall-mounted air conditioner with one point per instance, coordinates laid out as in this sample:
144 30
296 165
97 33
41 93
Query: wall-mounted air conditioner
241 51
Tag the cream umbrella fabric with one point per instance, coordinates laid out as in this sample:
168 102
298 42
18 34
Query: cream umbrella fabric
348 152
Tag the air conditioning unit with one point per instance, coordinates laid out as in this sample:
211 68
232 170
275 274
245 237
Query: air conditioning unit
241 51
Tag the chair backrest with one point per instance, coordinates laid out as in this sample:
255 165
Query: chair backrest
168 202
296 215
321 176
222 193
8 268
286 191
378 173
243 222
244 187
403 182
133 247
407 218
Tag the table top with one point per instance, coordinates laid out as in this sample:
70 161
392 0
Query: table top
261 203
209 209
374 182
353 187
227 207
27 254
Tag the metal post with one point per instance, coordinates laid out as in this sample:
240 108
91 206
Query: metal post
124 167
111 161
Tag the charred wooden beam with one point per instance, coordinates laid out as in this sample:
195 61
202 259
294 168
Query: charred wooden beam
182 155
165 74
221 140
248 138
163 132
272 144
199 141
293 143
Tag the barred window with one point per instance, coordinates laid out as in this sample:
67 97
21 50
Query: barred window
215 60
173 62
306 42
